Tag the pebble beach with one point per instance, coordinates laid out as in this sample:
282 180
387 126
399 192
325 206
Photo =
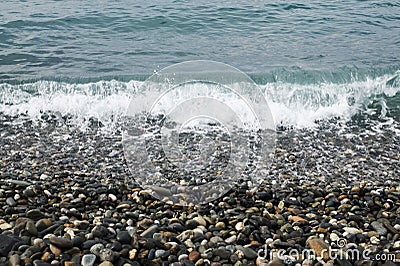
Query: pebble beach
65 200
278 121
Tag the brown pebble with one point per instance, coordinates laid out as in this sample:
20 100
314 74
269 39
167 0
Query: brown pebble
194 256
45 256
322 230
320 247
297 219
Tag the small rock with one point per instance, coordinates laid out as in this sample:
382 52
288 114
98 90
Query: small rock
124 237
88 260
276 262
239 226
248 252
194 256
297 219
319 246
34 215
4 225
231 239
222 253
61 242
95 249
106 263
132 254
43 224
200 220
374 240
14 260
112 197
390 227
351 230
191 224
183 257
11 202
106 255
31 228
148 233
19 183
378 227
220 225
334 237
56 251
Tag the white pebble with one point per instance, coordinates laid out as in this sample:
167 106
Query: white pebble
374 240
112 197
183 257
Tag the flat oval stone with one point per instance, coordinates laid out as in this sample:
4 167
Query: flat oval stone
35 214
61 242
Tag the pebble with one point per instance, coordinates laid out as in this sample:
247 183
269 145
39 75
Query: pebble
55 250
248 252
200 220
96 248
19 183
276 262
61 242
88 260
11 202
351 230
4 225
194 256
106 255
220 225
379 228
132 254
14 260
239 226
318 245
222 253
31 228
106 263
374 240
124 237
34 214
148 233
183 257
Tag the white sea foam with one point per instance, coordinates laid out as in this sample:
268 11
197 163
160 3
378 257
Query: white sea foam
291 104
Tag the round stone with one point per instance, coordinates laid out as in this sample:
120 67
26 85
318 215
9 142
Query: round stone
124 237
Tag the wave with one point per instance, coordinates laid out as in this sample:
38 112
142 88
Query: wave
293 103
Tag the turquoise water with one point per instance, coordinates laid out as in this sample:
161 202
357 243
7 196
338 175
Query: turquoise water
313 60
115 38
